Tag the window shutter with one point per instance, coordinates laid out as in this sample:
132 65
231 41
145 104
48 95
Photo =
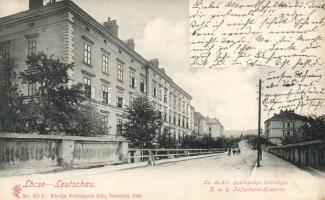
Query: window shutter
135 82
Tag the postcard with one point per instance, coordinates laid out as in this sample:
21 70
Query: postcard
162 100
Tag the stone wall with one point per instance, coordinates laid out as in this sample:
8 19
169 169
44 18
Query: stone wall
304 154
20 150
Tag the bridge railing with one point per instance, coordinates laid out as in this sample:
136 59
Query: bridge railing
141 155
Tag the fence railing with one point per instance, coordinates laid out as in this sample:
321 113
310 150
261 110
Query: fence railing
141 155
309 153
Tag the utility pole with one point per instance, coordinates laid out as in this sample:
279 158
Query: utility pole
259 152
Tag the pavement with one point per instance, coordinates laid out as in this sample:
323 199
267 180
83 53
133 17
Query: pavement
172 179
210 177
298 184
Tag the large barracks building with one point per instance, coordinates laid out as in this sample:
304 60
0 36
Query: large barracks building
110 68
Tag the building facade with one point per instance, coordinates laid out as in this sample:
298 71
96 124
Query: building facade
171 100
284 124
215 128
200 124
112 71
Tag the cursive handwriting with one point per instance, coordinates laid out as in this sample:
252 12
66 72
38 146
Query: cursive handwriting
283 39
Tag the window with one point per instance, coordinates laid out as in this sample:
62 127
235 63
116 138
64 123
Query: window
170 116
105 94
288 124
174 102
32 89
4 52
179 104
131 100
142 89
165 95
87 54
179 120
209 129
132 80
165 114
119 127
31 47
105 64
105 123
160 93
154 89
175 136
183 106
119 99
187 108
119 72
87 84
175 118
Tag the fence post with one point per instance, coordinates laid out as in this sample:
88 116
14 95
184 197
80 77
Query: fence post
132 156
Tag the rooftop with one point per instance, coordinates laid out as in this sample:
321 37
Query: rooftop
285 115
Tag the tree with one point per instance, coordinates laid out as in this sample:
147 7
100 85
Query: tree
166 139
58 106
190 141
143 124
314 127
9 95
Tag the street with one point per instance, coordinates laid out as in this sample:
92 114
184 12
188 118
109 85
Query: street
205 178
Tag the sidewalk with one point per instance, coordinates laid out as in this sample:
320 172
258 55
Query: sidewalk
298 184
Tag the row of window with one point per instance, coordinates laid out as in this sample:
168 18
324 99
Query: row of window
288 125
5 49
174 102
105 68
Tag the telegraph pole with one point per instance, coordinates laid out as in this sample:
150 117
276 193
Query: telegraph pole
259 152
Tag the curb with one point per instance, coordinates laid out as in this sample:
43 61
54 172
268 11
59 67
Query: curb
166 161
254 169
317 172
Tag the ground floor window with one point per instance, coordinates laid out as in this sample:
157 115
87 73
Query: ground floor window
119 127
105 123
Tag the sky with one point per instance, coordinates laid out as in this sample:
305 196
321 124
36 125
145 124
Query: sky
160 30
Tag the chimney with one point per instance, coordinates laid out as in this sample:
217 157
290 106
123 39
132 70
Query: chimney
163 69
130 43
34 4
154 62
112 26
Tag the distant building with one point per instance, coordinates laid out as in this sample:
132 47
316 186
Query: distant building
200 124
215 128
191 119
207 126
284 124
